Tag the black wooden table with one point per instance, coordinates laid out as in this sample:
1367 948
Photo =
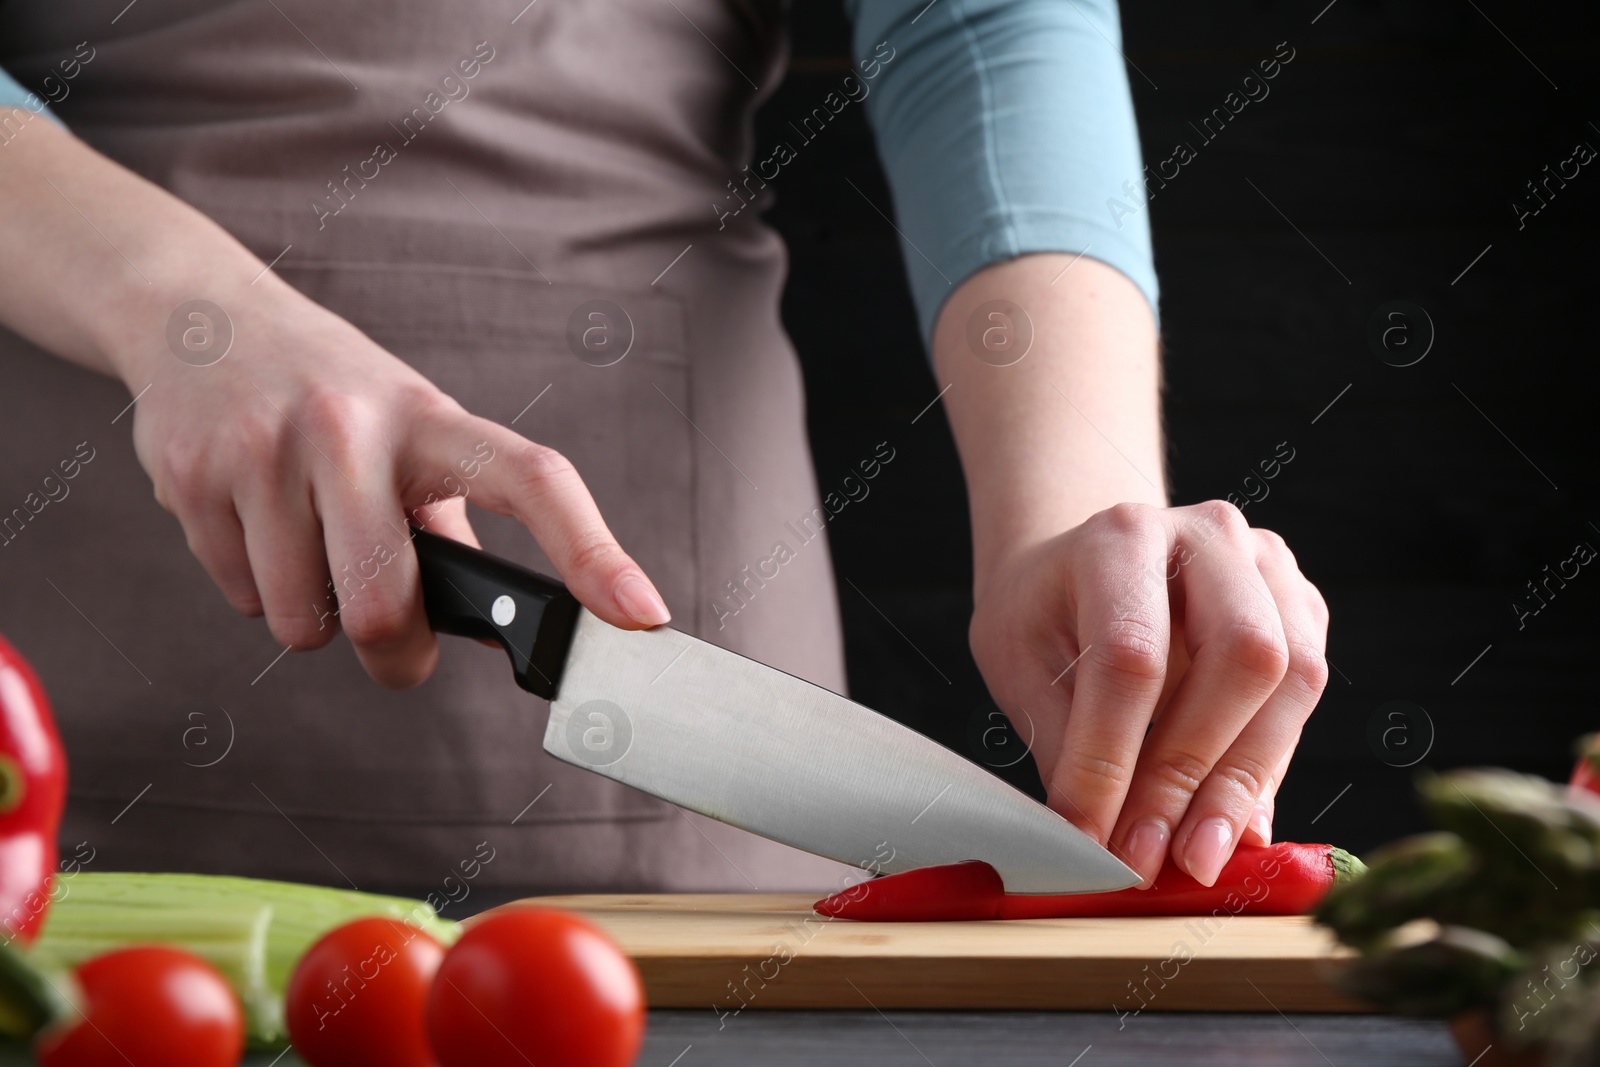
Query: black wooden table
1040 1039
1031 1039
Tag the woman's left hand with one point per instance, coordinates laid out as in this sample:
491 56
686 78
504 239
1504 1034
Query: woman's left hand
1164 661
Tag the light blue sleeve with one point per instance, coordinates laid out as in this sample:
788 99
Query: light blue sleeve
12 94
1005 127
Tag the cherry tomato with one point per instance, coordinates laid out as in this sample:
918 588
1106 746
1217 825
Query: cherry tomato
148 1006
358 996
534 985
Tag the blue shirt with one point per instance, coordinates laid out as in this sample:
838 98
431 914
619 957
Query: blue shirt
13 95
1005 127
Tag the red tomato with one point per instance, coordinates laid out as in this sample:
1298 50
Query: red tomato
149 1006
533 985
358 996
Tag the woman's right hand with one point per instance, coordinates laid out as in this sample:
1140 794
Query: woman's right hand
295 461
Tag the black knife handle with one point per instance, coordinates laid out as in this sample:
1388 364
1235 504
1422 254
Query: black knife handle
469 593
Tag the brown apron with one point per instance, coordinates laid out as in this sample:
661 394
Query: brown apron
578 162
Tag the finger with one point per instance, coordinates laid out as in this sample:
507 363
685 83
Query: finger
216 538
283 540
542 490
1239 656
1258 828
374 567
1231 793
448 518
1119 600
189 486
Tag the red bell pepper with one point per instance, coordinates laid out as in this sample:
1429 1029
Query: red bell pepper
1585 781
33 788
1279 879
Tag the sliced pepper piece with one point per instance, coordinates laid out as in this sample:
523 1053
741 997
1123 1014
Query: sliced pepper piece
1278 879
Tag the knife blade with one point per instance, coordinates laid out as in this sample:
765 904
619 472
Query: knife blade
739 741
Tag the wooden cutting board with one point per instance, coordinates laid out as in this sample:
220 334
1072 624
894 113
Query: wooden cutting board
730 952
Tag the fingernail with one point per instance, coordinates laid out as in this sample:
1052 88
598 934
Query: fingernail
1261 824
1146 848
1208 850
642 602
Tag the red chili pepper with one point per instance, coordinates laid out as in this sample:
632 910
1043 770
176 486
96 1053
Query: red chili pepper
33 788
1280 879
1585 780
948 893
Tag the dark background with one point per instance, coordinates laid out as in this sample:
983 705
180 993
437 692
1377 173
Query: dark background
1396 141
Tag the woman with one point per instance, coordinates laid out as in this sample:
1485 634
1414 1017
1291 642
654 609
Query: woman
336 265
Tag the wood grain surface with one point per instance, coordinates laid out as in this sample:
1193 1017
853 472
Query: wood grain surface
737 952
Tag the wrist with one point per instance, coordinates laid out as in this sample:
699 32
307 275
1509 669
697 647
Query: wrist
1067 428
190 311
1005 531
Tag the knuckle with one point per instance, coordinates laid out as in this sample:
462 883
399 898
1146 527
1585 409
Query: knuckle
596 553
324 407
1093 772
336 420
1222 514
1257 650
1318 605
1310 666
1127 517
1273 544
1132 649
1182 771
1247 774
184 469
541 467
375 625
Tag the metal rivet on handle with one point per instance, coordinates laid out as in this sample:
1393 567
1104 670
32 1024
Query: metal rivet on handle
503 610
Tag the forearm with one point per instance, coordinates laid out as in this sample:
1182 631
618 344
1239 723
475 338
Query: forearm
1070 429
94 258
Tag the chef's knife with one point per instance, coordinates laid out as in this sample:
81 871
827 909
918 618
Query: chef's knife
741 742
